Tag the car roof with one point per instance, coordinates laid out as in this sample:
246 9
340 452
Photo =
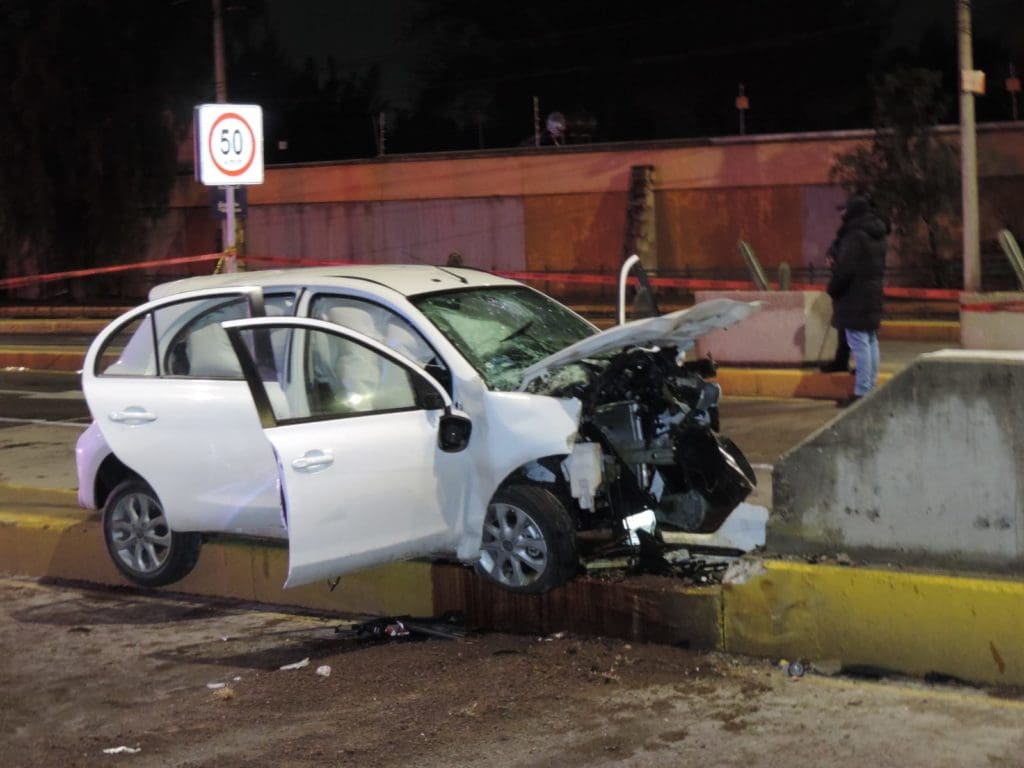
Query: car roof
406 279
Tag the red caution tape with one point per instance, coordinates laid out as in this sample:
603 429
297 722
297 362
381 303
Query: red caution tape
996 306
18 282
579 278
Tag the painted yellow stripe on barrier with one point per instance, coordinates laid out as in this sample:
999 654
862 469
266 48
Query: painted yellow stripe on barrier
913 623
68 544
921 330
773 382
41 521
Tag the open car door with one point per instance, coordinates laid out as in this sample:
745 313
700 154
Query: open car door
165 389
374 465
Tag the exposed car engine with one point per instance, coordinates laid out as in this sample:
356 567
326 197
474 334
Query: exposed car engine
656 418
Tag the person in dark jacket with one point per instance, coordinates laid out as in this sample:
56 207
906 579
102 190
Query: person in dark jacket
841 361
856 288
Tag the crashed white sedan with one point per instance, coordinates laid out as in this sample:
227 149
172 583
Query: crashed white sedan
381 413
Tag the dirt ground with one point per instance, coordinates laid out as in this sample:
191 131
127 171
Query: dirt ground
197 683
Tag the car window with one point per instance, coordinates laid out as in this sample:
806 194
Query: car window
336 377
377 322
184 339
503 331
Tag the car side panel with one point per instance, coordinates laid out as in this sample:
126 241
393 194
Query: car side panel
200 446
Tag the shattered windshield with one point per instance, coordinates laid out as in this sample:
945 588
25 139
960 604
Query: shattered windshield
502 331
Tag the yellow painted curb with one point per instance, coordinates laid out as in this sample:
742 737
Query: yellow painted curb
55 358
42 536
79 325
921 330
774 382
913 623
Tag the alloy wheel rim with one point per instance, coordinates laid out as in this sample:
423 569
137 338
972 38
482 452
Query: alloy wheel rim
139 534
513 551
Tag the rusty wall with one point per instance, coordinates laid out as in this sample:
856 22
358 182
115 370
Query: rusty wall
699 230
488 232
565 208
582 233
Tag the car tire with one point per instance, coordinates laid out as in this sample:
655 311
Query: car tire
528 540
139 541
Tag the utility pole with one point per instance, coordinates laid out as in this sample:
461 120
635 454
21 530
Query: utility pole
536 121
742 105
221 84
1013 88
969 84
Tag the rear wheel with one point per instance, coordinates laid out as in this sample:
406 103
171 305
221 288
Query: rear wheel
141 544
528 541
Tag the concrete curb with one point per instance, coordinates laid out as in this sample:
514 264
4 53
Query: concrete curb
916 623
66 359
913 623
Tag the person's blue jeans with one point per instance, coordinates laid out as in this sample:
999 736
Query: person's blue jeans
864 347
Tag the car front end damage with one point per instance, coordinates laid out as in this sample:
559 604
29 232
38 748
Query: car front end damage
648 454
648 449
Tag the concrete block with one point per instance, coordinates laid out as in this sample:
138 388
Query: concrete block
924 471
792 328
992 320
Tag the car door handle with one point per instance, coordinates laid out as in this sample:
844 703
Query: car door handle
132 415
314 460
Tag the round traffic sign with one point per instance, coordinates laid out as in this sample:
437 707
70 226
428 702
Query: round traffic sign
232 144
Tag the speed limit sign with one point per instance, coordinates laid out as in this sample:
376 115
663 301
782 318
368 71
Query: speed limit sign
229 144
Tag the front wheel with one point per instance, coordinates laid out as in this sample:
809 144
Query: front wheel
528 542
141 544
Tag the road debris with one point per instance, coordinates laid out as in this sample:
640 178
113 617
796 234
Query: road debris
654 556
742 571
122 750
296 665
398 628
324 670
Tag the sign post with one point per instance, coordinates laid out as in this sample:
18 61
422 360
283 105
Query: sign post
228 152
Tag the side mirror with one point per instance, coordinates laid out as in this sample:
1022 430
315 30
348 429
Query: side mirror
453 434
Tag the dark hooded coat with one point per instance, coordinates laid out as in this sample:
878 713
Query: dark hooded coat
858 268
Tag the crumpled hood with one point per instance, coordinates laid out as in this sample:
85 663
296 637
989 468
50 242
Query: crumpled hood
677 329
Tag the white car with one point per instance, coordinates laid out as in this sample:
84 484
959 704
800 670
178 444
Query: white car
380 413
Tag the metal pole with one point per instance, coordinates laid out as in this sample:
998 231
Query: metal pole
968 153
536 121
221 84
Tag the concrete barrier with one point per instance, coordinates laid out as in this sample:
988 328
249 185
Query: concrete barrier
992 320
793 328
925 470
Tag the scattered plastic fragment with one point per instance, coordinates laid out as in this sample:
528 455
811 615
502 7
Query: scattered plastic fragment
122 750
215 686
296 665
742 571
828 667
795 669
324 670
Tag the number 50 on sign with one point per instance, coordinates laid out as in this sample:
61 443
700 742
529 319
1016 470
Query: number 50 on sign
228 144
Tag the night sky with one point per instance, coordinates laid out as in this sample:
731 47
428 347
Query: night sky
461 74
